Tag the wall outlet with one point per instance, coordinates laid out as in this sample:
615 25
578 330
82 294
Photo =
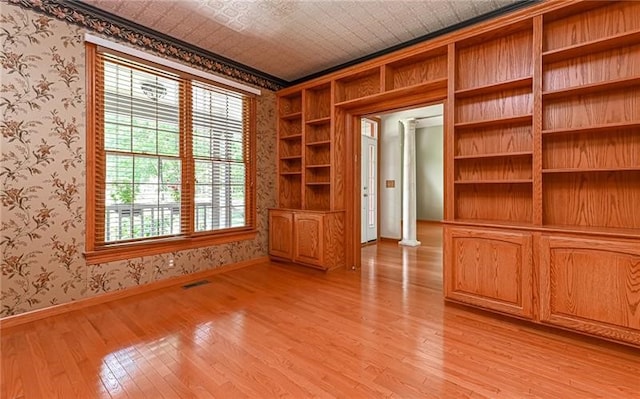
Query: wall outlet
171 263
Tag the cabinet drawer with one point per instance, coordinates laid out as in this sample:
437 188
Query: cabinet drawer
592 286
490 269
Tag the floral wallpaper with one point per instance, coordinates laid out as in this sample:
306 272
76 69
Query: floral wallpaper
84 15
42 170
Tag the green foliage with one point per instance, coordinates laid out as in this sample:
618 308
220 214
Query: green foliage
123 194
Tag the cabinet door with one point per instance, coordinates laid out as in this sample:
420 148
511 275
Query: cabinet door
309 238
281 234
592 286
490 269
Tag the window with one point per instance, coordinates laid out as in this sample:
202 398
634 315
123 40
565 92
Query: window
171 159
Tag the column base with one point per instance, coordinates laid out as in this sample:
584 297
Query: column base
410 243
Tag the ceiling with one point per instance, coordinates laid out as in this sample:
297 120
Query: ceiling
291 39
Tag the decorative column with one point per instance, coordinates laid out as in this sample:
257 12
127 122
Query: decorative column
409 229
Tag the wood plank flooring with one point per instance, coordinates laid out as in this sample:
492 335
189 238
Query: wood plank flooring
278 330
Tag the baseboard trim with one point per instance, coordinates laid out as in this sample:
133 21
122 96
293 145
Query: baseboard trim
436 222
38 314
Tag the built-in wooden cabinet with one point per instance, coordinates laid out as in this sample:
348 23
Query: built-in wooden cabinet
591 285
311 213
542 149
311 238
491 269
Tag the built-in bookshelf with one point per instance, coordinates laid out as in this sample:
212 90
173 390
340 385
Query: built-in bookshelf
591 117
290 150
542 162
318 148
493 142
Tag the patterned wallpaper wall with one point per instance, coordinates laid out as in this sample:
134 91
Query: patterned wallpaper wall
42 170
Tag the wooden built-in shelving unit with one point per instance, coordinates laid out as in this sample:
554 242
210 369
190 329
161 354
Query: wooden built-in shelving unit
290 150
493 107
542 161
590 118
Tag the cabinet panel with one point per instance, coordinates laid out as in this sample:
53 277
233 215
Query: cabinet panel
281 234
490 269
591 286
309 239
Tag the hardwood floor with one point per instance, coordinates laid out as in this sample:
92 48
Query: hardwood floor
278 330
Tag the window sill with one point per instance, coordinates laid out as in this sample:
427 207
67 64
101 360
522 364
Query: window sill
115 252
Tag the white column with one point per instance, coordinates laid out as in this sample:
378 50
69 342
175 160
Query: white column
409 229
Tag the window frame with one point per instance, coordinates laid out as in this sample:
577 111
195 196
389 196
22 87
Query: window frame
98 252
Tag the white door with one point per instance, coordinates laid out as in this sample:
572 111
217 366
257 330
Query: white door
369 181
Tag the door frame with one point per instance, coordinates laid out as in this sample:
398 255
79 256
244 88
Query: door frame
378 121
347 122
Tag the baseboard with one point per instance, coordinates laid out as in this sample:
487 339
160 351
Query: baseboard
27 317
436 222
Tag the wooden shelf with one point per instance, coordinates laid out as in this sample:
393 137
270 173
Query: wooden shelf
590 170
293 115
496 121
593 46
317 103
517 83
318 166
406 91
496 155
491 223
594 128
416 69
323 183
317 143
596 231
290 173
291 137
510 181
319 121
291 157
599 231
591 88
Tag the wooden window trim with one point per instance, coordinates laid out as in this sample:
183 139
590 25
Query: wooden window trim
94 253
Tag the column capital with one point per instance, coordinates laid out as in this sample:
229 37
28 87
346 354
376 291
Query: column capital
409 123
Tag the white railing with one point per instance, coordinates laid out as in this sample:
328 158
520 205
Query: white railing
123 221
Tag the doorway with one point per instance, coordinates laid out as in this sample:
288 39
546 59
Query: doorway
429 165
369 180
346 119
